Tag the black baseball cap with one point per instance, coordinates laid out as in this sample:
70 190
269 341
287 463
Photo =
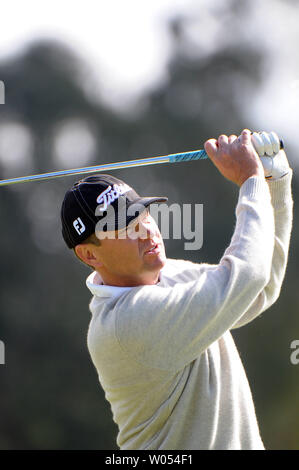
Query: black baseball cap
100 202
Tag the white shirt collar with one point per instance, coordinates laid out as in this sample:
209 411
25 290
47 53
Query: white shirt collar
95 284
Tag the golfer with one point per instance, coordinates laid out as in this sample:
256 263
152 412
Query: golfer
159 336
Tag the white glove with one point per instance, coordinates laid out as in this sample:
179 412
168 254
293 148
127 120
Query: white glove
272 155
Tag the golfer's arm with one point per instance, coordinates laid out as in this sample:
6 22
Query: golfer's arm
168 327
282 203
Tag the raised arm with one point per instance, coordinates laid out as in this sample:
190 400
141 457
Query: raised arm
169 326
279 177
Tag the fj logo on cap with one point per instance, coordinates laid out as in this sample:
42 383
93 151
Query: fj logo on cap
112 193
79 226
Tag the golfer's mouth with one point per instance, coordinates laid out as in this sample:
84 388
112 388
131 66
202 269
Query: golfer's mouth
153 250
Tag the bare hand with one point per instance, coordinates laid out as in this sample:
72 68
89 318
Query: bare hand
235 158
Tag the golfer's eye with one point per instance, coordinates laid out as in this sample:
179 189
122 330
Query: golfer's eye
133 228
146 213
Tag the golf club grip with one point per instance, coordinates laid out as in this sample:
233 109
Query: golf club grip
187 156
197 155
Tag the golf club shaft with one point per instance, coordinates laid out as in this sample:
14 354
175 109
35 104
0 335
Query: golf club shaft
172 158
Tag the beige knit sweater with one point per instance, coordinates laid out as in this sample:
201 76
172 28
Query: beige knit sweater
164 354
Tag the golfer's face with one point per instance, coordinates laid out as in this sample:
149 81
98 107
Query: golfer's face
135 255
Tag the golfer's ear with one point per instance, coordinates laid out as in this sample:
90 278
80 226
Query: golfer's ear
85 252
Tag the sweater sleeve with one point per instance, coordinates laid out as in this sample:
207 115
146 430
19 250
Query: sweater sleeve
282 203
168 327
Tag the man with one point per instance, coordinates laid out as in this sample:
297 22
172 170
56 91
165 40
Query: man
160 336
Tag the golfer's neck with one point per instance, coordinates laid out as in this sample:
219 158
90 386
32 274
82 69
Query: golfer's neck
146 279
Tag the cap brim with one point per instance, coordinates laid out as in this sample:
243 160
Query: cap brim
146 201
123 218
143 201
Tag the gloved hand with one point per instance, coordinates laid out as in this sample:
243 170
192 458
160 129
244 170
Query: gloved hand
272 155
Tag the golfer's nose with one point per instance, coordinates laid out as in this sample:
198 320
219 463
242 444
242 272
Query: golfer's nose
146 230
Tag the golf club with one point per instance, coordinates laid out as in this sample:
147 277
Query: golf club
171 158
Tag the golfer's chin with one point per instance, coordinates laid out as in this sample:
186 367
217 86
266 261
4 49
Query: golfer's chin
154 269
156 257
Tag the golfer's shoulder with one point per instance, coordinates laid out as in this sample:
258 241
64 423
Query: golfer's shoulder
176 266
181 270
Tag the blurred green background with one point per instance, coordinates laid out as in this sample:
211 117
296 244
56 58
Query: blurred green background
50 397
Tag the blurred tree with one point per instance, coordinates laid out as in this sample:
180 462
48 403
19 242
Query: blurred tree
50 398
